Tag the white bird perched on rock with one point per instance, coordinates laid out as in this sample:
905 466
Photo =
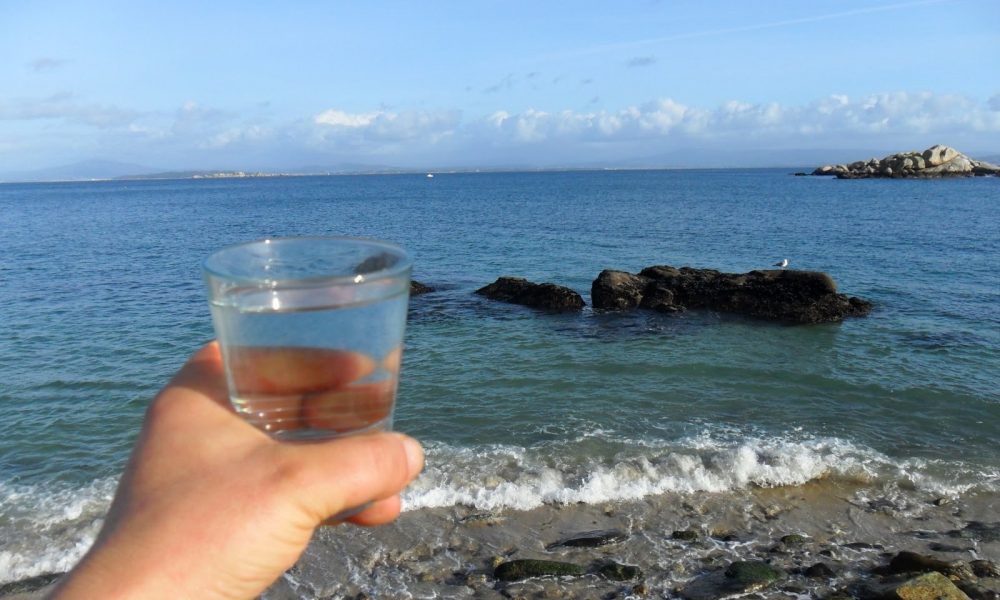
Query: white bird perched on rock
782 264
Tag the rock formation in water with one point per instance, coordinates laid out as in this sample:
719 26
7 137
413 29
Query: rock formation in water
779 295
934 162
516 290
417 288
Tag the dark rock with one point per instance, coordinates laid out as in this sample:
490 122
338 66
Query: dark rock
939 547
911 562
819 571
782 295
793 539
617 290
29 584
977 592
686 535
417 288
984 568
516 290
738 578
619 572
590 539
977 530
753 572
376 262
515 570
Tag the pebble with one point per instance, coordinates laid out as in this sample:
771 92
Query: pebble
590 539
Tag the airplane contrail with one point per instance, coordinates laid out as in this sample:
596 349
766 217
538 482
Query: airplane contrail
744 28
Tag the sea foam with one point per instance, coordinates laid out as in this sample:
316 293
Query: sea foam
496 477
47 529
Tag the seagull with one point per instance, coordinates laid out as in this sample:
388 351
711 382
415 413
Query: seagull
782 264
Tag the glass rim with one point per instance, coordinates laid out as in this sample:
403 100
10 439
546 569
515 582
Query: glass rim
404 264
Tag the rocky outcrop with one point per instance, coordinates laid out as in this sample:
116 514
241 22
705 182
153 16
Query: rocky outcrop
936 161
516 290
780 295
417 288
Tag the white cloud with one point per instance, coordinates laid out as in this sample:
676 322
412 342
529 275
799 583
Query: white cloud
384 126
339 118
543 135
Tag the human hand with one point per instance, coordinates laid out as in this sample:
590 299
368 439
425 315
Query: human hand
211 507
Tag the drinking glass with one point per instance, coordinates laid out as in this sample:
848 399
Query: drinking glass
311 332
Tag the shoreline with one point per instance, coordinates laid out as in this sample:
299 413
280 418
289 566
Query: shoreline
674 539
681 543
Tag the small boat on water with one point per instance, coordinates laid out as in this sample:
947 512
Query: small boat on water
430 175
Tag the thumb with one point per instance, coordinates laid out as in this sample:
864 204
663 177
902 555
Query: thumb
327 478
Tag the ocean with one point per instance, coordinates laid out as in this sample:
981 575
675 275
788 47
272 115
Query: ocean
521 410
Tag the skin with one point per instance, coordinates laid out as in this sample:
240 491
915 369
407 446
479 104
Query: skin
210 507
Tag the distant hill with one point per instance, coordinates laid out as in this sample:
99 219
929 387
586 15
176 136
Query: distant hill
80 171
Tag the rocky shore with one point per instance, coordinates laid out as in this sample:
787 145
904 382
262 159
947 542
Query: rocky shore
934 162
824 540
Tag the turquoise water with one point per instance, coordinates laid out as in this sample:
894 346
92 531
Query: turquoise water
102 300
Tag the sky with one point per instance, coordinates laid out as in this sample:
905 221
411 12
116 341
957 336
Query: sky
492 84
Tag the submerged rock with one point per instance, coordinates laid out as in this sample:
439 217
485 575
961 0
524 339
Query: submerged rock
793 539
753 573
936 161
619 572
819 571
976 591
911 562
929 586
741 577
590 539
686 535
977 530
417 288
515 570
984 568
781 295
516 290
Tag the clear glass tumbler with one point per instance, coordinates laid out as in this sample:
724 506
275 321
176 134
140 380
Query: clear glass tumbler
311 332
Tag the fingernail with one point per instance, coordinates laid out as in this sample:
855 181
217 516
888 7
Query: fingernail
414 454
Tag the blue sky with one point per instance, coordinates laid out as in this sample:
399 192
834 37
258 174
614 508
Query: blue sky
271 85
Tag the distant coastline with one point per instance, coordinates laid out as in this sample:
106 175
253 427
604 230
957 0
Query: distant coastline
104 171
211 175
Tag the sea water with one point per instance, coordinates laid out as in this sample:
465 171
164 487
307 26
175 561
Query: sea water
103 301
310 373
